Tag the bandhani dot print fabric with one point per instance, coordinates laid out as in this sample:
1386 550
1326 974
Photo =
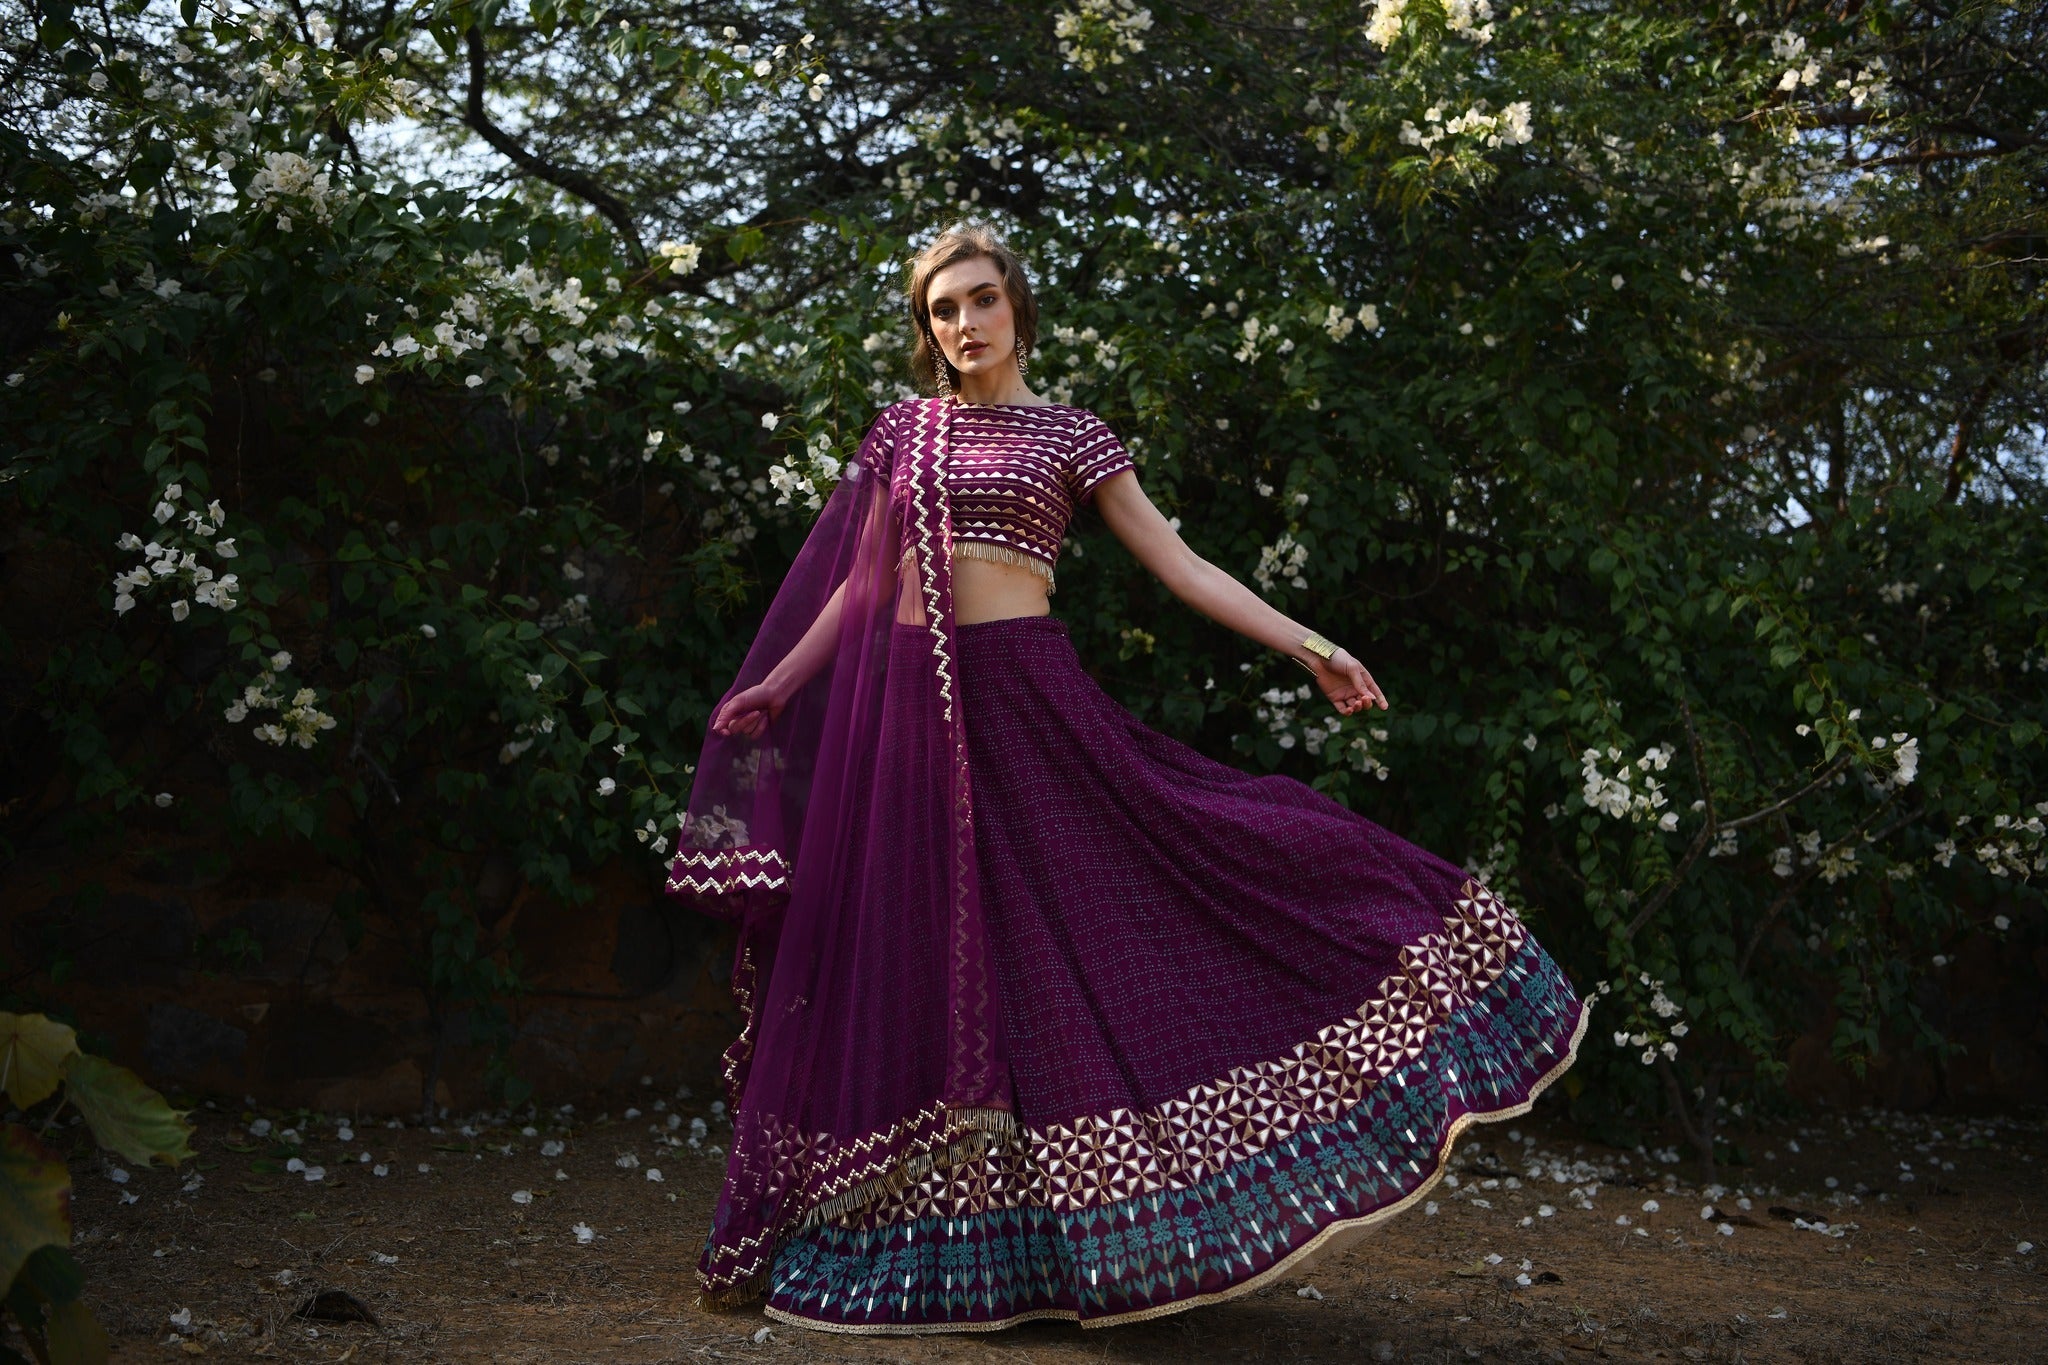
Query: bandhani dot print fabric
1240 1019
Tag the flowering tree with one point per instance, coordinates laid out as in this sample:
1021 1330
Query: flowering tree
1647 392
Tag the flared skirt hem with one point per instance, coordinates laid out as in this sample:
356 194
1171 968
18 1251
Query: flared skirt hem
1277 1271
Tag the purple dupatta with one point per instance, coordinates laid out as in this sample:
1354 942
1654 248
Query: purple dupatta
842 841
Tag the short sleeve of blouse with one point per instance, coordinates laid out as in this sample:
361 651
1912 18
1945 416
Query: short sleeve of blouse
1097 454
877 454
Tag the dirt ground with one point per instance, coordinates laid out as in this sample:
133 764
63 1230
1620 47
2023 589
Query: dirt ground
558 1235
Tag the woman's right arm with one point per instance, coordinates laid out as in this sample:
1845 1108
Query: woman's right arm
748 712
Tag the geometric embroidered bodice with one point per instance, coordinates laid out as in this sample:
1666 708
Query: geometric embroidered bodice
1014 475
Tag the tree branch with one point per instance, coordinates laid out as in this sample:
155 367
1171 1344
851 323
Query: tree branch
575 182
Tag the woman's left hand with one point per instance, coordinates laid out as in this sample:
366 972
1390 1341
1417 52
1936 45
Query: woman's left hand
1346 683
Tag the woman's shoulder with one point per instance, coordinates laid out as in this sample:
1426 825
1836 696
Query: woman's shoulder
1089 427
891 413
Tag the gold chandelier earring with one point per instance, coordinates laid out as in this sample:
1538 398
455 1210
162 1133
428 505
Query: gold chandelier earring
1023 357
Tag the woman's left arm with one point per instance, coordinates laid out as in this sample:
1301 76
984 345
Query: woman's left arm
1154 543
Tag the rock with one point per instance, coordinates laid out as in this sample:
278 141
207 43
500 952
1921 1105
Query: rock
394 1090
497 884
183 1044
2017 1071
117 940
302 939
335 1305
313 1041
644 956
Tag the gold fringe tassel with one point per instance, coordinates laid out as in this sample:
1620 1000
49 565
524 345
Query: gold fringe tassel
738 1296
982 549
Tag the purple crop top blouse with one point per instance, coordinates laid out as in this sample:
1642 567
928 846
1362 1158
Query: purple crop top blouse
1014 476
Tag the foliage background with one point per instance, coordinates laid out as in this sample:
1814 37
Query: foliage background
1649 392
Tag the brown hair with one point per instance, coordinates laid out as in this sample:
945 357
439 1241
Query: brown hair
964 242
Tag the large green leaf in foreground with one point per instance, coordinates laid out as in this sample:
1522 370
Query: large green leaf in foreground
126 1115
33 1051
35 1199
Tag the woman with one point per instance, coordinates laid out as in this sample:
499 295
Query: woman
1046 1014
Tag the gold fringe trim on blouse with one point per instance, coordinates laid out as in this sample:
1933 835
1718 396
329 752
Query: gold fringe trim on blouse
983 549
1003 554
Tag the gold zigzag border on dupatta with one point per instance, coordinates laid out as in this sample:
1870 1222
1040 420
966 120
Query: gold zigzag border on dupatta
722 871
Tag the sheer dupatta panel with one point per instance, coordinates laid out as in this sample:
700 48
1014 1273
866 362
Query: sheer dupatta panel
842 841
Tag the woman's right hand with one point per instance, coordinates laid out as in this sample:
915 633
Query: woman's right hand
748 712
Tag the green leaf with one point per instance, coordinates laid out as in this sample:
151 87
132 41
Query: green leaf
75 1337
54 1275
35 1199
747 241
125 1115
33 1052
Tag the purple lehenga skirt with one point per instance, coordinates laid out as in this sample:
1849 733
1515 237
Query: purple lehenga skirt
1241 1020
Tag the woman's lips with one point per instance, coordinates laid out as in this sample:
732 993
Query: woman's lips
974 348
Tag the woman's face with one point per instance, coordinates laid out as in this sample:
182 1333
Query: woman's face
971 317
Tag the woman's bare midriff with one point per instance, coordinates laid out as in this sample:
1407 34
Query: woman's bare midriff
983 590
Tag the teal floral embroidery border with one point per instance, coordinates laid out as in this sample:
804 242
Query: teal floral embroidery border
1167 1250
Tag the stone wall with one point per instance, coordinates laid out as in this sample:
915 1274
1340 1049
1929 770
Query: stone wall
239 979
1989 1000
